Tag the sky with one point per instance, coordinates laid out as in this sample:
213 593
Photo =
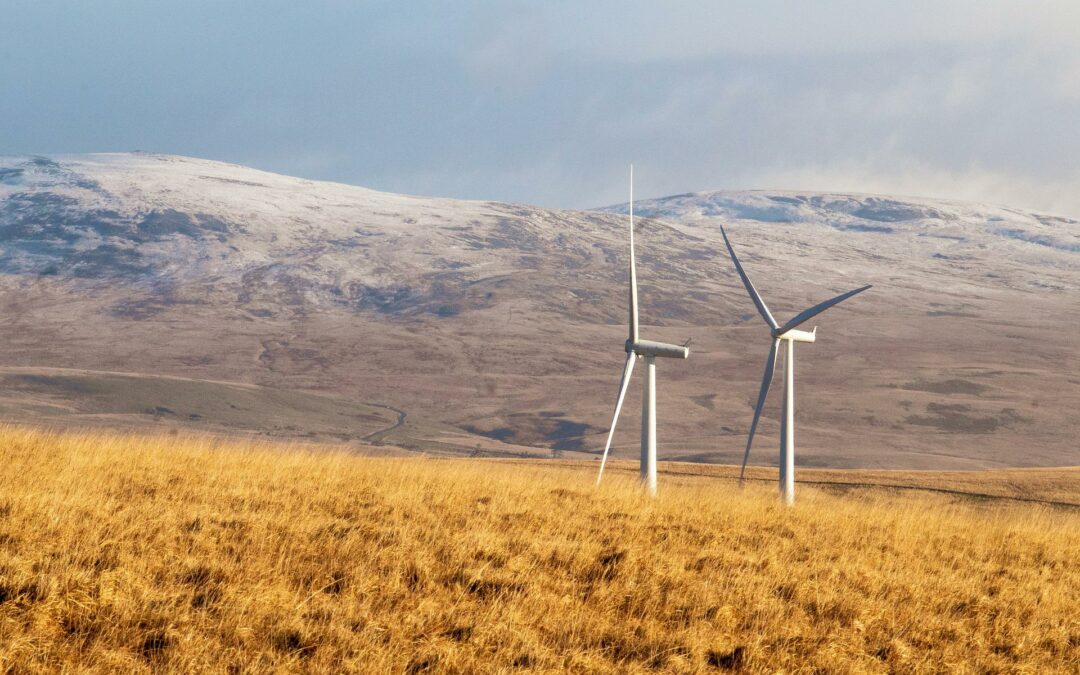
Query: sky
548 102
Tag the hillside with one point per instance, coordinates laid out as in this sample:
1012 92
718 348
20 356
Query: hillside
174 554
58 397
496 328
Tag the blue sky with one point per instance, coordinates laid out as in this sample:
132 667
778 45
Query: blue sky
548 102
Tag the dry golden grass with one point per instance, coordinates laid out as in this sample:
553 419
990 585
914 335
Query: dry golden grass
138 553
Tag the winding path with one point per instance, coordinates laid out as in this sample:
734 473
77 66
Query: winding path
376 437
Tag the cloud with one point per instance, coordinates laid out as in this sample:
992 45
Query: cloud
689 29
509 47
547 102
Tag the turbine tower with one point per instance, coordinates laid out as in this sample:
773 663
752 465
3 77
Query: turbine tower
637 348
789 336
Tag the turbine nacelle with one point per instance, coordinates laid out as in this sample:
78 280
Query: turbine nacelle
661 349
796 335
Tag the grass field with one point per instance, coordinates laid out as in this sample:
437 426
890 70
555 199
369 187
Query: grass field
129 553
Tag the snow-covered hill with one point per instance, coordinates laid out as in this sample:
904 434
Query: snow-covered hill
168 221
501 324
945 230
868 213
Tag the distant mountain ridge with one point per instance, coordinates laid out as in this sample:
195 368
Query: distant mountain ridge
497 328
860 213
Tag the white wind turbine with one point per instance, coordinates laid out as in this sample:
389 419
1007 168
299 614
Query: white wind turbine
649 350
788 334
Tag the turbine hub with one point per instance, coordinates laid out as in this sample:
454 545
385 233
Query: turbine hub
796 335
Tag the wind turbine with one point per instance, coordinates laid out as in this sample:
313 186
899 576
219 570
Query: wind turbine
790 336
647 349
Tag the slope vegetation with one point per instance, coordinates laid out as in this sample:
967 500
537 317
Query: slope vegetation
502 325
56 396
189 554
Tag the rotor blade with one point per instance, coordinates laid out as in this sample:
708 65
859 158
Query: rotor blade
627 369
633 267
770 366
762 309
808 314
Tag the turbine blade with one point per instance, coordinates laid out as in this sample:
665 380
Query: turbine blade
623 385
770 367
762 309
633 268
808 314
